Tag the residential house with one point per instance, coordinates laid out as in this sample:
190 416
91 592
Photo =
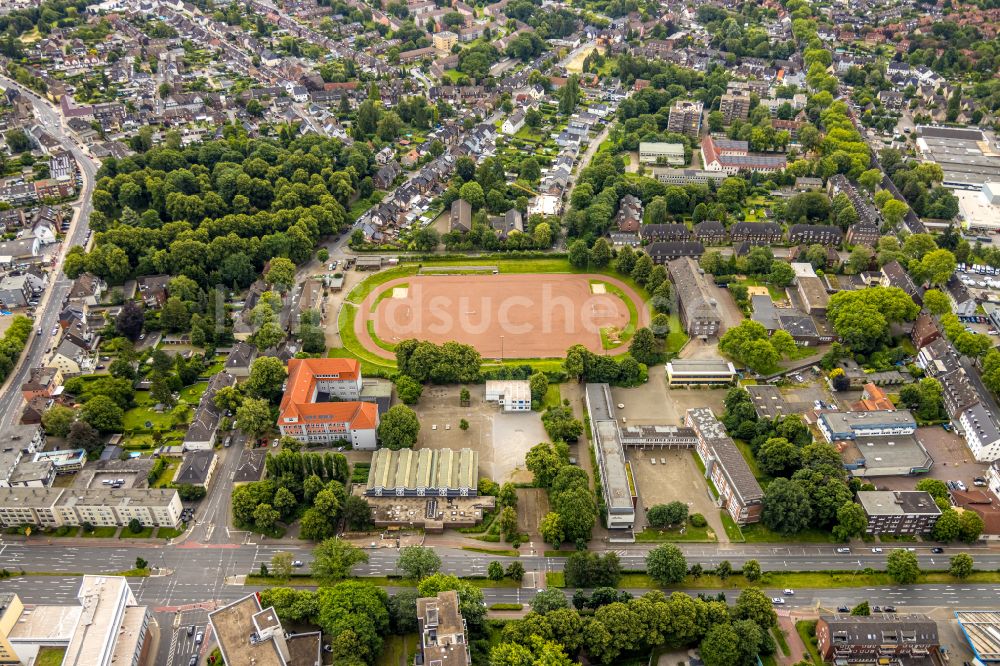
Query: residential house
386 176
756 233
894 275
710 232
899 512
962 302
662 252
461 216
514 122
87 289
72 357
201 434
664 232
153 290
240 358
41 382
925 330
629 216
815 234
881 638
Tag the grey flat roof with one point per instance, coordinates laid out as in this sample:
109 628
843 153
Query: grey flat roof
898 503
608 447
982 631
886 456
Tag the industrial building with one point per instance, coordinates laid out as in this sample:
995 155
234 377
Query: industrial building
964 156
897 455
427 472
700 372
899 512
851 425
981 629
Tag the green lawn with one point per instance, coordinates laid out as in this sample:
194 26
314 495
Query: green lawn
732 529
387 294
777 293
499 552
137 417
192 394
633 318
397 650
676 338
807 632
779 638
101 533
553 398
691 533
168 533
701 467
751 461
50 656
167 475
144 533
757 533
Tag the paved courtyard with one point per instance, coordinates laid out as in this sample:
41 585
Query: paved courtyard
502 439
952 461
674 477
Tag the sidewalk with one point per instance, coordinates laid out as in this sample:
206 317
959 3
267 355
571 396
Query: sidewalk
786 623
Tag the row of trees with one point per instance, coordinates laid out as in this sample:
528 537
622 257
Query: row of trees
574 513
555 634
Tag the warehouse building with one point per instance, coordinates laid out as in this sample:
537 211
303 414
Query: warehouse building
671 154
963 155
851 425
898 455
427 472
982 630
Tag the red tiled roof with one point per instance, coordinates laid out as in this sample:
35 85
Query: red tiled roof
302 377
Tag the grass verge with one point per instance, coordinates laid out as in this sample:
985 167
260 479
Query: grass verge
144 533
555 579
779 638
758 533
506 607
500 552
807 632
691 533
100 533
733 530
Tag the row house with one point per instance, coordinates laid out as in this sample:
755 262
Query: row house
813 234
662 252
629 216
664 232
756 233
710 232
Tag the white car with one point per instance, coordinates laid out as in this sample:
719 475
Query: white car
876 549
789 593
777 601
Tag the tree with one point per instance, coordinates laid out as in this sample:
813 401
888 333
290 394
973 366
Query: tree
643 268
778 457
561 425
936 266
57 420
507 521
103 414
254 416
644 348
418 562
666 564
786 507
862 609
495 571
893 212
936 302
546 601
281 566
936 488
267 375
721 646
751 570
408 389
130 320
281 273
961 565
948 526
870 179
398 428
971 526
551 529
755 606
264 517
357 514
662 515
542 461
851 521
515 571
579 254
902 566
600 254
588 569
781 274
333 560
84 436
539 385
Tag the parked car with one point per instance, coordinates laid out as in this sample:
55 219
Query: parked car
843 609
193 661
889 609
190 630
199 638
876 609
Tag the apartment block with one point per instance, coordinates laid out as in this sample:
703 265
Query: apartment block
899 511
101 507
685 118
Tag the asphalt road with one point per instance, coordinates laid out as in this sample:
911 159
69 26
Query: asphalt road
47 312
206 566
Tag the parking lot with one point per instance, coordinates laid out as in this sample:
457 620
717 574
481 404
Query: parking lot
179 640
501 439
673 478
655 404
